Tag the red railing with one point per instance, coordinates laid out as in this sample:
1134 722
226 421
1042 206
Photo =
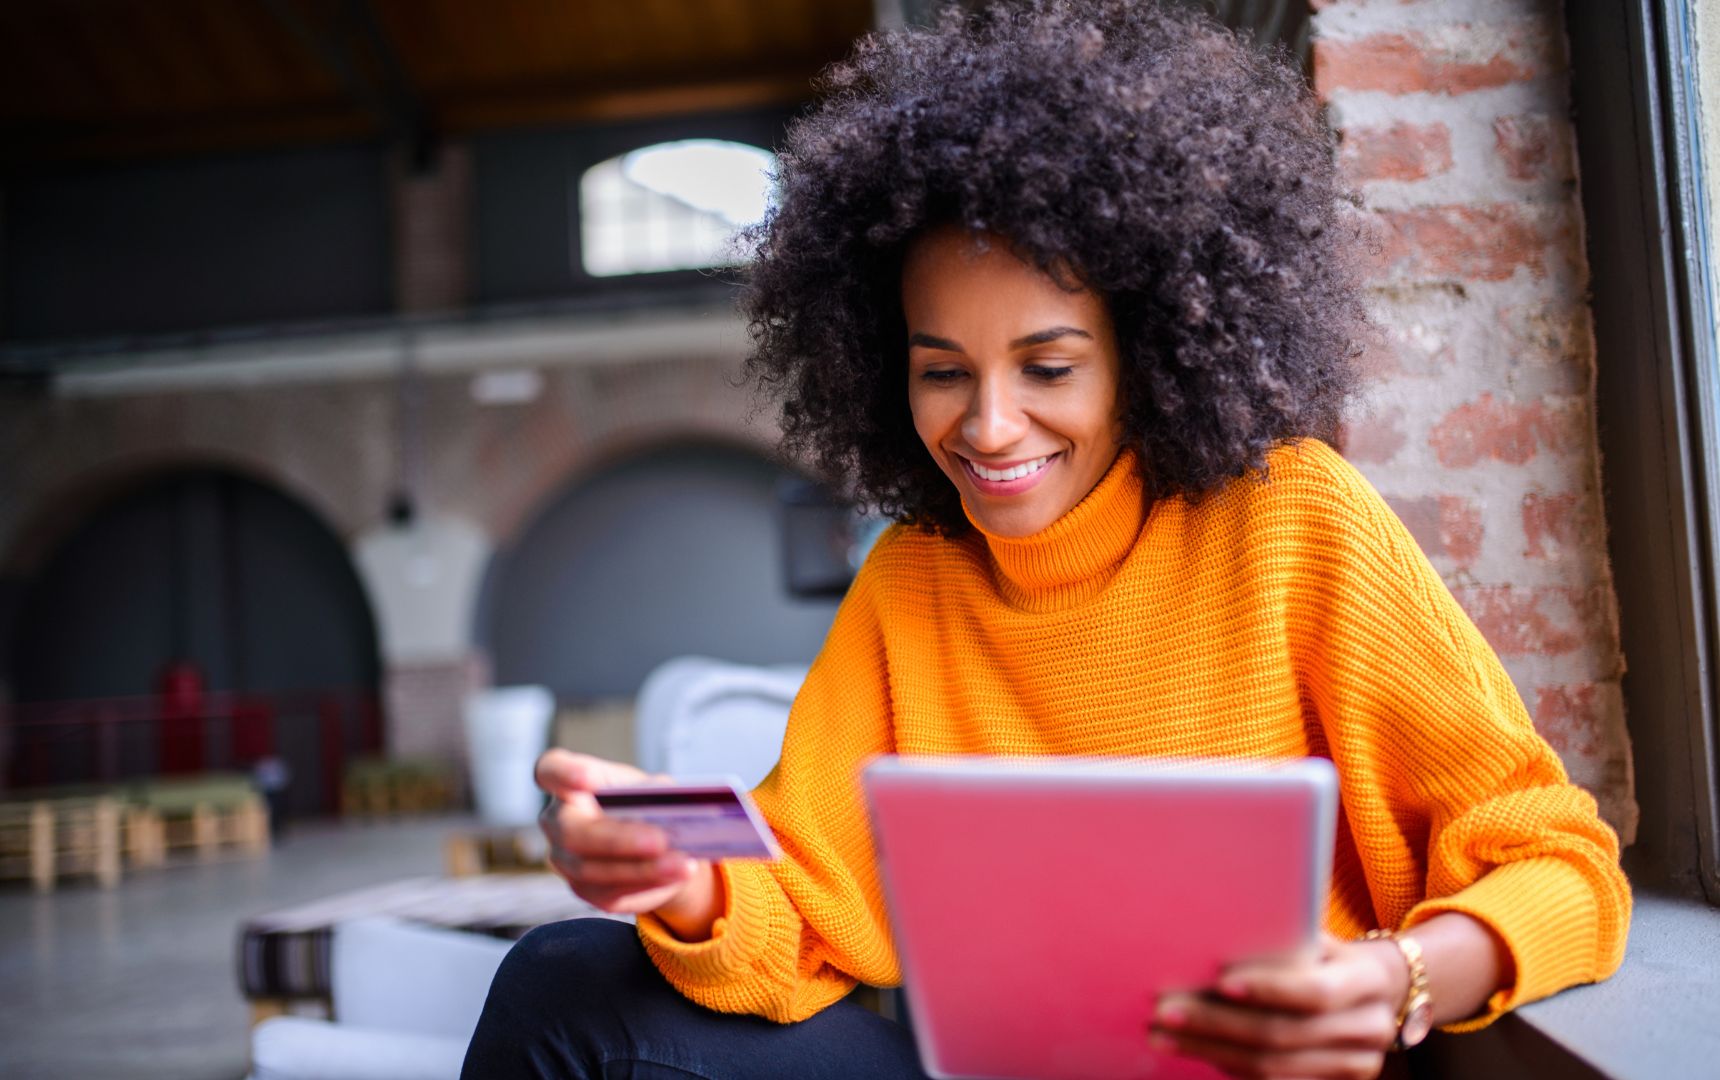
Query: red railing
108 740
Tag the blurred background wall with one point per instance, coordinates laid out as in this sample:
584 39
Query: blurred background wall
315 389
358 353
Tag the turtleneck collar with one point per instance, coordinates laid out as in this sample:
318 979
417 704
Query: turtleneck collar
1073 558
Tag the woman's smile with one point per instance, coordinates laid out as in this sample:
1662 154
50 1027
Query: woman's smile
1010 479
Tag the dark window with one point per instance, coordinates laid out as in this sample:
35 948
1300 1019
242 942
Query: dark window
1657 396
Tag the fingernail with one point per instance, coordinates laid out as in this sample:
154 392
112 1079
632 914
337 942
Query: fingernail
1233 987
1161 1043
1172 1013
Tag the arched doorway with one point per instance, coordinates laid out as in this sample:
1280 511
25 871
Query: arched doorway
201 620
673 552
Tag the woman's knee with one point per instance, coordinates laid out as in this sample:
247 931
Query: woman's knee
554 964
550 1010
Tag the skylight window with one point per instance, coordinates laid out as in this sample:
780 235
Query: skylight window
672 206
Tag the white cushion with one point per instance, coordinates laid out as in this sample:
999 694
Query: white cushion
409 978
699 717
659 697
300 1048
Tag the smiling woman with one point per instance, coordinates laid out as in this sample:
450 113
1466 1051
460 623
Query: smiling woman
1063 290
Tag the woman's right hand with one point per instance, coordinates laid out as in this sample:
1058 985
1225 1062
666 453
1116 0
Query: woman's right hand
616 866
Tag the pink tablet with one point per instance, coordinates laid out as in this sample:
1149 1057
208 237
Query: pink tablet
1040 906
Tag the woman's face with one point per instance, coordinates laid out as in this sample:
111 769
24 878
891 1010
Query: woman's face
1012 380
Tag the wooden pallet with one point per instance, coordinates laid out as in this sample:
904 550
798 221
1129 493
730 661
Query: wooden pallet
495 851
205 816
145 837
208 830
381 788
45 840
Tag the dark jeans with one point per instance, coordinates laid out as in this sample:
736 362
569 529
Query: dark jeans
581 999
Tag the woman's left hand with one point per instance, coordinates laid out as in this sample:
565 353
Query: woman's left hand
1332 1014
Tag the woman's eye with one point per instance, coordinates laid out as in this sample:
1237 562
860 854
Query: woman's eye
1048 373
941 375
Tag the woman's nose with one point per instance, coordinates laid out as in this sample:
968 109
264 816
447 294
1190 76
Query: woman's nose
994 421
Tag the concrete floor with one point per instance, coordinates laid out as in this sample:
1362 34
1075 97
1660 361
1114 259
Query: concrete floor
140 981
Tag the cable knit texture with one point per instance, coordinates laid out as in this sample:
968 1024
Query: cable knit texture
1288 614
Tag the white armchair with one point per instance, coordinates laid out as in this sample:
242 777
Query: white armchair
699 717
405 997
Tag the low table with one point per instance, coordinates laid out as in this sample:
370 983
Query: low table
284 955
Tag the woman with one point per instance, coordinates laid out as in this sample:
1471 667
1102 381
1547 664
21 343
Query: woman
1066 293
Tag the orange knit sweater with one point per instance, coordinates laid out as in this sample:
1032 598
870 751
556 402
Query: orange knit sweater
1288 614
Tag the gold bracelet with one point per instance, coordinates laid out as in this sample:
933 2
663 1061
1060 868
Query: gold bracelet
1415 1016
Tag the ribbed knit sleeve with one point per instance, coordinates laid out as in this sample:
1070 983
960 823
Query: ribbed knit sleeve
1440 767
796 934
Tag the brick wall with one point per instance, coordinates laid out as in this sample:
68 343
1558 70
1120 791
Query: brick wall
331 444
431 215
423 704
1478 427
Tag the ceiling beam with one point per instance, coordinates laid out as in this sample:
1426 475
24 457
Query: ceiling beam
528 107
408 119
481 113
333 54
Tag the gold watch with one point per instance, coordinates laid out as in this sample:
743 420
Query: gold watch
1415 1017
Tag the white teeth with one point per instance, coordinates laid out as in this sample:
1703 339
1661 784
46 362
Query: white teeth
1014 473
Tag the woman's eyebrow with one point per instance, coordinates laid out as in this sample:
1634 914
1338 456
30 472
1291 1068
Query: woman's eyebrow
932 342
1040 337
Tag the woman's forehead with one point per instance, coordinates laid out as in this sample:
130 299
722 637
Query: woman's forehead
955 273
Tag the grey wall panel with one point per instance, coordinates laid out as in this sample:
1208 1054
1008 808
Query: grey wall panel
197 243
203 566
673 553
104 615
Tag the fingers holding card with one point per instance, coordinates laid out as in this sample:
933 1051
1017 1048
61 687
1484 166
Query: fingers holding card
705 818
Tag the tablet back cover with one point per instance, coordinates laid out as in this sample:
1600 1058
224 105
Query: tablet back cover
1040 907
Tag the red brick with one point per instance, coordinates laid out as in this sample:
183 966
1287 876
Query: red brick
1552 522
1505 431
1446 526
1375 438
1548 621
1460 529
1400 152
1452 60
1490 242
1533 147
1569 718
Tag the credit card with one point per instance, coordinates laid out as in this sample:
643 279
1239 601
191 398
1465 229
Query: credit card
705 818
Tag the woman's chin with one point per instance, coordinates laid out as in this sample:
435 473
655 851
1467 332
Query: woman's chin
1008 522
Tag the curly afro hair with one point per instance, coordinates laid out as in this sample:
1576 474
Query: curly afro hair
1142 152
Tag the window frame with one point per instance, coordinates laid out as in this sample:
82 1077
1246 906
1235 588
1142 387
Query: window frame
525 207
587 215
1657 395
